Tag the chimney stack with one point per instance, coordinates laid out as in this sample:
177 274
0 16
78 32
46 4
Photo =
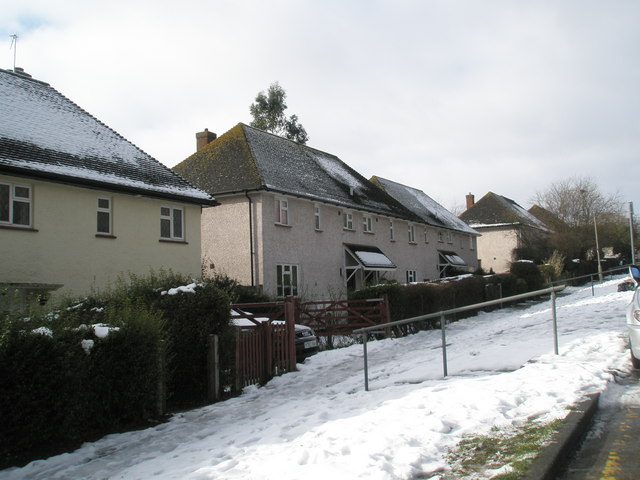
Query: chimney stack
471 200
204 138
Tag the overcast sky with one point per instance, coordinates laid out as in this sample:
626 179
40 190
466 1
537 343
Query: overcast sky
448 96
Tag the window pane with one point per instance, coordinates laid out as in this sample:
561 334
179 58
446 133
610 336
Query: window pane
165 212
21 213
22 192
4 203
103 222
165 228
177 223
294 280
103 203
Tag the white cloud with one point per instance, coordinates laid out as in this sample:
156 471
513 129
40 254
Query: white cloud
446 96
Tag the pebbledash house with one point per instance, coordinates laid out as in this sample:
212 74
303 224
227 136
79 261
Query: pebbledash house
294 220
79 204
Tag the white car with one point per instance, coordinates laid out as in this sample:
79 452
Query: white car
633 318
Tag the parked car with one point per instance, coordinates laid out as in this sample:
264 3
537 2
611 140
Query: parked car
633 318
306 342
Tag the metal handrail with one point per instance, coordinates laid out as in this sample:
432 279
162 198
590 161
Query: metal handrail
442 314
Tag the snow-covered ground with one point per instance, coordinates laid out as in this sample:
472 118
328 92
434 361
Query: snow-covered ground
319 423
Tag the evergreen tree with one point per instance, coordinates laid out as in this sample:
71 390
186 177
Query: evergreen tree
268 114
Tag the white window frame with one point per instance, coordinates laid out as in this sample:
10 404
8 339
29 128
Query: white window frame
426 235
13 198
283 216
440 237
284 272
412 277
171 219
317 217
392 234
449 237
347 220
411 233
108 211
367 223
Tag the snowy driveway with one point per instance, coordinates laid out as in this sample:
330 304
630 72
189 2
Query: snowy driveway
319 423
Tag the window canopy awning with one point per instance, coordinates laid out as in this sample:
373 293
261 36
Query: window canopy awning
370 258
452 258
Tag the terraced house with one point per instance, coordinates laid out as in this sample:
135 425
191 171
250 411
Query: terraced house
79 204
294 220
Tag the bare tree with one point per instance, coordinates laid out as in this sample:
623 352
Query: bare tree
580 204
577 201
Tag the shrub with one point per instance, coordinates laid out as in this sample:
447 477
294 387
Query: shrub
529 274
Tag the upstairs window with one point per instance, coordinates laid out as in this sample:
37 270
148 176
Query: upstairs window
392 235
282 212
347 220
411 231
449 237
103 216
15 204
316 214
367 224
426 236
440 237
171 223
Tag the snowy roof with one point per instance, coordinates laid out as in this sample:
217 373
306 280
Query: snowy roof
495 210
245 158
430 211
44 134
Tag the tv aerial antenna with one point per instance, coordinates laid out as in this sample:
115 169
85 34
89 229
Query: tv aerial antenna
14 45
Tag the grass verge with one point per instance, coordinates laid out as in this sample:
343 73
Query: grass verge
503 454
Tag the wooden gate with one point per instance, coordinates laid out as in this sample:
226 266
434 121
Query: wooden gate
342 317
265 341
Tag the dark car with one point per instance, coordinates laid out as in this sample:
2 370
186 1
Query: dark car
306 343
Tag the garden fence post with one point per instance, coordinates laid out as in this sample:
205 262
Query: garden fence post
213 369
161 400
290 324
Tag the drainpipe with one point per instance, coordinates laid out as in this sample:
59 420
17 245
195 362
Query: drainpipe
246 194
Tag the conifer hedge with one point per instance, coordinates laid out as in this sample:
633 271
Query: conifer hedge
94 366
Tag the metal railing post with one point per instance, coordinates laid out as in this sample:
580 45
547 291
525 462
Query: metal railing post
366 369
443 323
555 322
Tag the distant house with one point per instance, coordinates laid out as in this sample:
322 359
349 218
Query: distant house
79 204
506 228
295 220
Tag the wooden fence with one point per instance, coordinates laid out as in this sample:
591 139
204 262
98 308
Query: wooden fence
265 338
265 341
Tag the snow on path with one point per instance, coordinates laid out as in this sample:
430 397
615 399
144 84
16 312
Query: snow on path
319 423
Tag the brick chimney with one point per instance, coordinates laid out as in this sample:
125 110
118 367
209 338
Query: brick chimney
471 200
20 71
204 138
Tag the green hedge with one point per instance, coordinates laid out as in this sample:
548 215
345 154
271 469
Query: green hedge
93 366
56 393
407 301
